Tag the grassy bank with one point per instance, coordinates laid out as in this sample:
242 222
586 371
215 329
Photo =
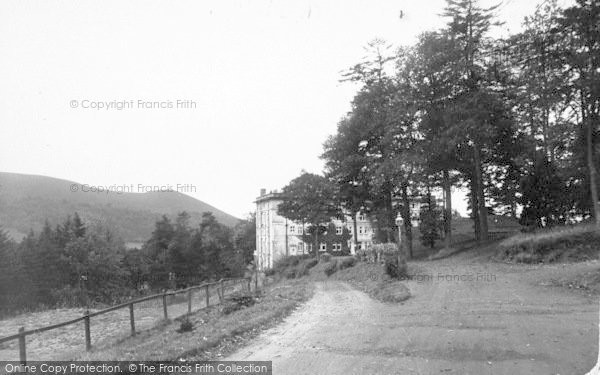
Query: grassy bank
563 244
367 277
211 332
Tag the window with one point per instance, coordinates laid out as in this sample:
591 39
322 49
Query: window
309 247
301 248
293 249
361 217
350 229
300 230
360 230
323 247
338 230
337 247
292 229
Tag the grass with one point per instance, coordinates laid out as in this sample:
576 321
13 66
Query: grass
213 330
561 244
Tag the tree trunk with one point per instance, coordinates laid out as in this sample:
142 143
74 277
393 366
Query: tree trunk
407 240
595 208
474 210
480 194
355 225
447 210
389 216
317 251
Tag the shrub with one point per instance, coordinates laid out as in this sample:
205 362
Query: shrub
347 263
285 262
393 257
311 263
361 254
326 257
186 326
237 301
270 272
290 273
330 268
301 270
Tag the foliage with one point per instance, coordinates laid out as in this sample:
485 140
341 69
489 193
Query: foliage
516 120
310 199
292 267
331 268
394 259
186 326
544 197
346 262
310 263
430 221
82 264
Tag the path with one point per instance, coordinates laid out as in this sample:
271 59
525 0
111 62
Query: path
506 325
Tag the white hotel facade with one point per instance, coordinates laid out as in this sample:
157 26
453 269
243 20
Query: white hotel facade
277 236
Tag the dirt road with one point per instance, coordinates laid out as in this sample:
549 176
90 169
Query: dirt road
498 321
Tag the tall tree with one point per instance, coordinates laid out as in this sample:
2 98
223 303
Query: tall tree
579 25
468 26
310 199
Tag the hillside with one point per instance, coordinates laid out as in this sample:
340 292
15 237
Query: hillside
26 201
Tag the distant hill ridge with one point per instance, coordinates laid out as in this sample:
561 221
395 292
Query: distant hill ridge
26 201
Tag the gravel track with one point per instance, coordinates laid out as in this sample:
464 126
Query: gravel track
508 324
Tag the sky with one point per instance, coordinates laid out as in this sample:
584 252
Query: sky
222 97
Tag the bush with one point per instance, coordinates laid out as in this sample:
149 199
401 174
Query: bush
286 262
330 268
270 272
326 257
347 263
311 263
237 301
186 326
290 273
394 259
301 270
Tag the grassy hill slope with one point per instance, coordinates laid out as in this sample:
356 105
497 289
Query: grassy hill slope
26 201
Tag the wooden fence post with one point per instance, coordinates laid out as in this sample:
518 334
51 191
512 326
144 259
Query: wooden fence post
132 319
164 298
22 352
189 301
88 336
207 296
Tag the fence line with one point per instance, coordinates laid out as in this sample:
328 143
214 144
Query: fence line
221 288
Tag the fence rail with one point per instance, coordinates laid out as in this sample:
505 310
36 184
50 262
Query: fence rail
220 289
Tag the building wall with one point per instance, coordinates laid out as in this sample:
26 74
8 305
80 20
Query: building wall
277 236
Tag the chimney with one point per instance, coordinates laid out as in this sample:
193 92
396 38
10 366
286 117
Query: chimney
263 192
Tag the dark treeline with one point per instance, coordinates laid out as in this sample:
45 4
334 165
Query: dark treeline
513 120
75 264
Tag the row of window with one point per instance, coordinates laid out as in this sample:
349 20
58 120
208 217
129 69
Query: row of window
301 247
338 230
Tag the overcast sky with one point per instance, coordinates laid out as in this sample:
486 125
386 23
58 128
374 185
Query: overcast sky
264 77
